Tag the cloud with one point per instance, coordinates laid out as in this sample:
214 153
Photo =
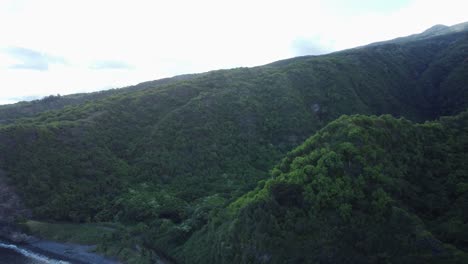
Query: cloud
110 65
12 100
25 98
302 46
31 59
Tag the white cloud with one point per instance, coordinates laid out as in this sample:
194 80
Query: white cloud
24 58
162 38
359 26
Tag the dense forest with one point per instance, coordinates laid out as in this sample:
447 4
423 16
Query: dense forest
344 157
361 190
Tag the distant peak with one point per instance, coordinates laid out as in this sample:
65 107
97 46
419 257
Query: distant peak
435 29
442 29
460 27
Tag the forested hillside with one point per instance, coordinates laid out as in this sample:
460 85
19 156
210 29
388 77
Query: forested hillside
361 190
172 160
9 113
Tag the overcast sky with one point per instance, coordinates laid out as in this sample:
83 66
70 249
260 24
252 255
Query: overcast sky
62 47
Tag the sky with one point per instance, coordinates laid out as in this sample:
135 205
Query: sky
63 46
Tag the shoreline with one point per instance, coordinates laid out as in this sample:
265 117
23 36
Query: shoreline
73 253
70 252
66 252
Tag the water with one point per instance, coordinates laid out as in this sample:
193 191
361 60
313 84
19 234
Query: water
12 254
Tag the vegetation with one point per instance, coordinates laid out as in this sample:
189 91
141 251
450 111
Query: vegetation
361 190
184 164
9 113
69 232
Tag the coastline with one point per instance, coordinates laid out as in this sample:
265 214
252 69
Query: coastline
69 252
73 253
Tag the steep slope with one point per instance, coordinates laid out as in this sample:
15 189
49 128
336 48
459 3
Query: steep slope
169 155
9 113
361 190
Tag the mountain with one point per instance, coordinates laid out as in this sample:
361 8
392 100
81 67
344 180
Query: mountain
437 30
175 161
361 190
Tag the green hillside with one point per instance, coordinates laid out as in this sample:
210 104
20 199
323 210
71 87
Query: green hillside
172 160
361 190
11 112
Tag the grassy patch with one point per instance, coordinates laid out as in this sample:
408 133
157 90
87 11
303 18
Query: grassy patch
89 233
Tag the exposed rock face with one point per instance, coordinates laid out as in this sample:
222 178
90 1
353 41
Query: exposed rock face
10 233
11 208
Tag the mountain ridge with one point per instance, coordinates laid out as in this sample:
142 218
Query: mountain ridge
27 109
170 159
434 31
